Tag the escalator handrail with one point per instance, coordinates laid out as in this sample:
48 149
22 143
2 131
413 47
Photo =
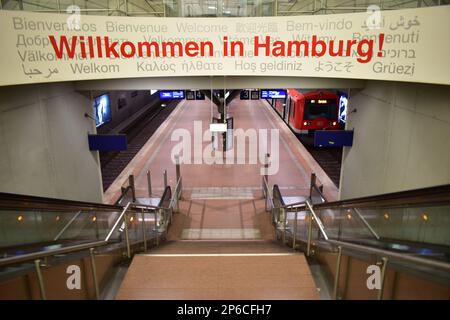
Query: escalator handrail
371 250
77 247
123 194
438 195
9 201
380 252
43 254
23 202
320 192
69 249
166 197
390 254
276 194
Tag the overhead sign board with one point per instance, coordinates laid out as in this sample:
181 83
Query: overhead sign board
398 45
255 95
199 95
333 138
245 94
273 94
107 142
190 95
169 94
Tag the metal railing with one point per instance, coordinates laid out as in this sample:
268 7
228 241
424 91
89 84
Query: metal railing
274 203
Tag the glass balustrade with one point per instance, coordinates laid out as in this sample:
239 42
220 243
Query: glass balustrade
417 230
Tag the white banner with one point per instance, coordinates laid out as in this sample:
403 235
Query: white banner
403 45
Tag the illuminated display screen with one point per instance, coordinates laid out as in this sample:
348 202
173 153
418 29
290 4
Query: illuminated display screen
343 102
320 101
102 110
166 94
273 94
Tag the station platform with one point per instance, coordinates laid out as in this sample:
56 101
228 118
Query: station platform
221 219
223 196
223 181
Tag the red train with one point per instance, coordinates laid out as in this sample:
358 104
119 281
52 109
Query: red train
315 110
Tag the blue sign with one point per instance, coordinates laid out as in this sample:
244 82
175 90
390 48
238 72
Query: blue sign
107 142
333 138
167 95
273 94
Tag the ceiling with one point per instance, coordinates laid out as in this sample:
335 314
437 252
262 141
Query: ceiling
213 8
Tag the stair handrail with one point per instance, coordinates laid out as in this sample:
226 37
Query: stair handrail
316 219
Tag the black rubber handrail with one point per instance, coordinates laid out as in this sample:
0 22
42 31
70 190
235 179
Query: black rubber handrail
9 201
438 195
166 197
42 254
123 194
276 194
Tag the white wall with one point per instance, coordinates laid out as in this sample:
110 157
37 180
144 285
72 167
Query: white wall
44 145
401 141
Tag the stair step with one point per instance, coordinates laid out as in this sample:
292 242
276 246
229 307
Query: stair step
221 247
223 277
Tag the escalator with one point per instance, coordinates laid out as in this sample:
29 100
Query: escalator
404 233
41 239
404 222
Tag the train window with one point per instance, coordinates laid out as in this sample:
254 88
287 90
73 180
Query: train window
325 109
292 108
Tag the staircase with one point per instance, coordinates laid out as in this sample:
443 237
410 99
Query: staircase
222 263
248 270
